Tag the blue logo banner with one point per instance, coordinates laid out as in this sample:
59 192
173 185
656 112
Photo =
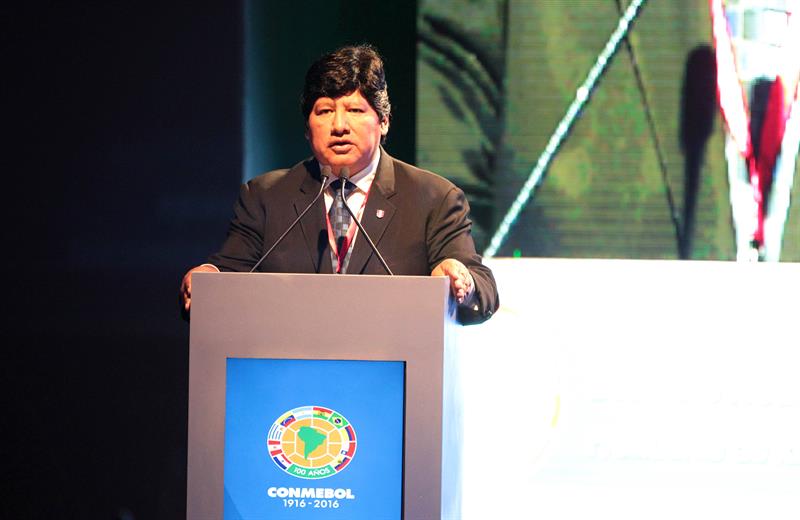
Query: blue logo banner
313 439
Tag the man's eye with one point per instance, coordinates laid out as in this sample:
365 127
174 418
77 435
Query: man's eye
356 110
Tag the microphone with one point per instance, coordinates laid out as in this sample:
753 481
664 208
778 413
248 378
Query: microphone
325 172
344 174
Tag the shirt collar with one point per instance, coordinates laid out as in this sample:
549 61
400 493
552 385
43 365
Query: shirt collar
363 179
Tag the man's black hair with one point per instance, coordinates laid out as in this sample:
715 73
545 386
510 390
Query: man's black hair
344 71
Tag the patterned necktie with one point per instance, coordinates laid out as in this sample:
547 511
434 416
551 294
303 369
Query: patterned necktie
340 223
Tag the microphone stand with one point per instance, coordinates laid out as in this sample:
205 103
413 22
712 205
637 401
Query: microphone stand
344 174
325 172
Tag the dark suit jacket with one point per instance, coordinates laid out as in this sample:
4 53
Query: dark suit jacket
416 219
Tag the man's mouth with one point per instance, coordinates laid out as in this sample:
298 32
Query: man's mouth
341 146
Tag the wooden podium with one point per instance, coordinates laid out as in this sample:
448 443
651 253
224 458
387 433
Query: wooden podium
305 316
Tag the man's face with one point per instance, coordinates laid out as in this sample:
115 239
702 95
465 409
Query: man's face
345 131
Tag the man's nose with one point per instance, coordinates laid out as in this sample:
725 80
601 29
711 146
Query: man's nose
340 123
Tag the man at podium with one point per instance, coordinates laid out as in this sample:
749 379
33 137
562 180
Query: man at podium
295 221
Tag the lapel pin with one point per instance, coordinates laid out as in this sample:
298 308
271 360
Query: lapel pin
380 213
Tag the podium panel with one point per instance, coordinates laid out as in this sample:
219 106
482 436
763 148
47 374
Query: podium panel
320 396
317 455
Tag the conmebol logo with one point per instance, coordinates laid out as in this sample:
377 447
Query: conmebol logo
311 442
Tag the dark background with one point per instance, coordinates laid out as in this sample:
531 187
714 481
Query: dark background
124 150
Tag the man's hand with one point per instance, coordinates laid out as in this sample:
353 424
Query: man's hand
461 282
186 287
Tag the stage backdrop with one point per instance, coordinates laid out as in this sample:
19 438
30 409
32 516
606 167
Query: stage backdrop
496 77
632 389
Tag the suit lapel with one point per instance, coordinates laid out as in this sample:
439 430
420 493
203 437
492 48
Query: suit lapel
378 213
313 224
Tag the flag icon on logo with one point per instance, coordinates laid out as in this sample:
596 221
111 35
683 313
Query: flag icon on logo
380 213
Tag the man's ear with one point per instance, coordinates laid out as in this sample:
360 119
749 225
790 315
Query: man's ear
385 126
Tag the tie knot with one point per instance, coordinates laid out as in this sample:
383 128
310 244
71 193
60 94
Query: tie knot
336 185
